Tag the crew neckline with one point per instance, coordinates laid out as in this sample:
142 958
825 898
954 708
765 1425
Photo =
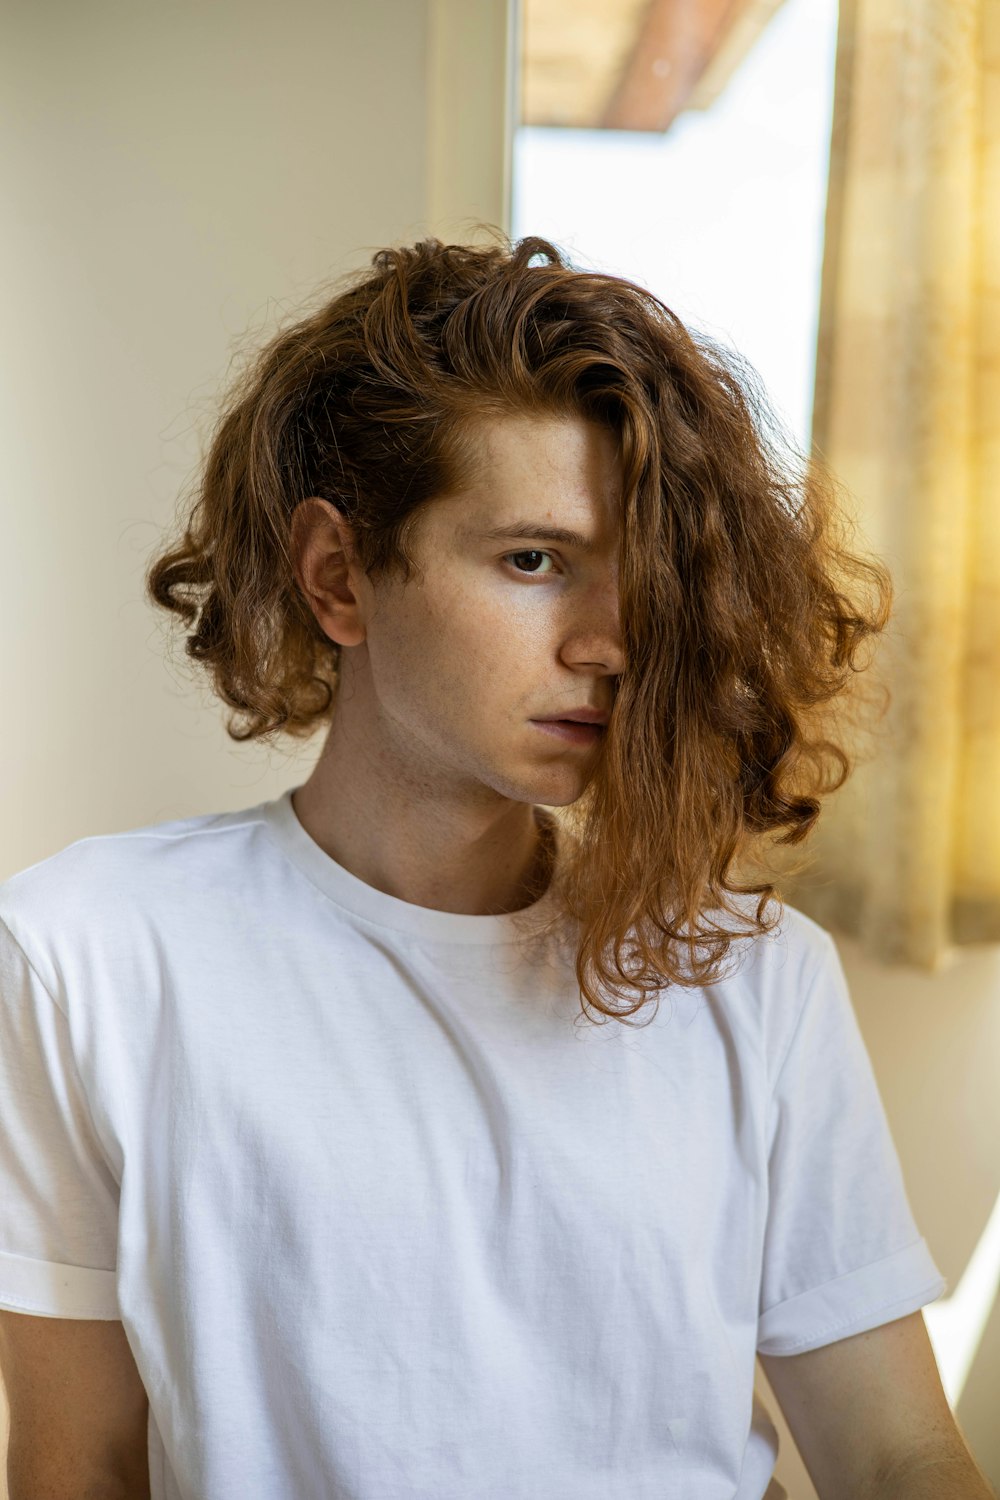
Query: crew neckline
372 905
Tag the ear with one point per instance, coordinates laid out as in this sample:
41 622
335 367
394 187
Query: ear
322 552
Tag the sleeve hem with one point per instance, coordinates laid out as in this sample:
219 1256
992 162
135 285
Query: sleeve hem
51 1290
852 1303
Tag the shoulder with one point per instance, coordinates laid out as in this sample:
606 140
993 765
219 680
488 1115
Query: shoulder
770 976
799 942
109 882
791 952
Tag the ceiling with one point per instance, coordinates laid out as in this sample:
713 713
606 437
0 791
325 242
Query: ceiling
631 64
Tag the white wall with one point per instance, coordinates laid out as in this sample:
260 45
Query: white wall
174 175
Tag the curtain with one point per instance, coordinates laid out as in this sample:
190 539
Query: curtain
907 413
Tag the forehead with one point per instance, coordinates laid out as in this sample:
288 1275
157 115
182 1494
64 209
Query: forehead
561 473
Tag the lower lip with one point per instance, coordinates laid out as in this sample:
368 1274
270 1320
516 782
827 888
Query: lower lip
573 734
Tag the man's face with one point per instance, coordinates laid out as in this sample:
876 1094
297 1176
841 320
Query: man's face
501 630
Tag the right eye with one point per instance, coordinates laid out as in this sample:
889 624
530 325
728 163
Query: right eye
530 572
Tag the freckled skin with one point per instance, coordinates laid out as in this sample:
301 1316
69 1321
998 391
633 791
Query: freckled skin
427 783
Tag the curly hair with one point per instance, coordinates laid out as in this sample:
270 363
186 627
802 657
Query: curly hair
743 606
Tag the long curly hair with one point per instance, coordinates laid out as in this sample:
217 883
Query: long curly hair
743 607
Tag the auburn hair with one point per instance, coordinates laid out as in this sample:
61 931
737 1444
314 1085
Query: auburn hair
743 607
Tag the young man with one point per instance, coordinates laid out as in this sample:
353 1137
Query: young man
315 1164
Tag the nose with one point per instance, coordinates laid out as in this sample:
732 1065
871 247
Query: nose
595 638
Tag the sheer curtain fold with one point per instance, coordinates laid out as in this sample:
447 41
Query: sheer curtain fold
907 412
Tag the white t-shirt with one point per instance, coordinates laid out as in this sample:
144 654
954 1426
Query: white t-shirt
383 1219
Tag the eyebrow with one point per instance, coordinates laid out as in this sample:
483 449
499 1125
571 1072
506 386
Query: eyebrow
536 531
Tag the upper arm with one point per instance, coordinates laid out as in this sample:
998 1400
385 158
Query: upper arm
77 1404
864 1406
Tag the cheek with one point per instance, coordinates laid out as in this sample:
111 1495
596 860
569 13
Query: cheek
459 655
431 664
474 629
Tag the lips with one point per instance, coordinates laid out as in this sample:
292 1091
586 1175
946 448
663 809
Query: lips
585 716
571 731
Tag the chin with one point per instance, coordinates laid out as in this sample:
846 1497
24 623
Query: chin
570 788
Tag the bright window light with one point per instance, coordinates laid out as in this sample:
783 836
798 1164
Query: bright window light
722 215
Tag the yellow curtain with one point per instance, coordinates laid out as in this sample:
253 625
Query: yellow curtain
907 412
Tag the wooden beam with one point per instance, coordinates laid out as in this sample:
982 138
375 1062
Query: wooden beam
672 50
631 64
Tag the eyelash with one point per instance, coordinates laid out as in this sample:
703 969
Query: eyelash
529 552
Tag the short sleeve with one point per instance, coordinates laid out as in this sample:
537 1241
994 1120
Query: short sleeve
842 1252
58 1198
